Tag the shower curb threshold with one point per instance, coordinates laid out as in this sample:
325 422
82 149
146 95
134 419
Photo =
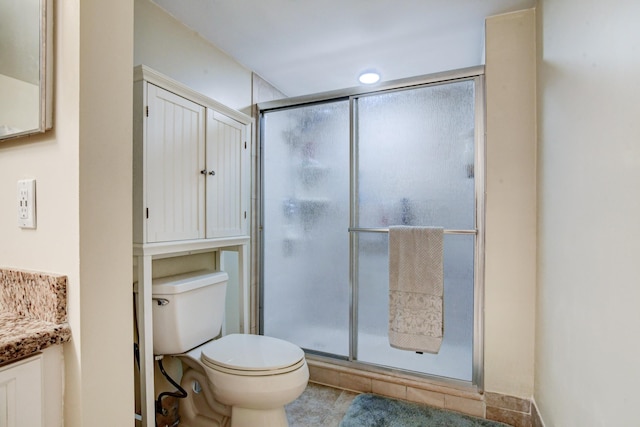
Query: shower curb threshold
330 371
446 395
397 386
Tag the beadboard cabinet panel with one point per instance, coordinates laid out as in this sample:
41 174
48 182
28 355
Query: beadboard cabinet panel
227 156
175 161
21 399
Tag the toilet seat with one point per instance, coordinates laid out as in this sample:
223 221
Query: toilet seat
251 355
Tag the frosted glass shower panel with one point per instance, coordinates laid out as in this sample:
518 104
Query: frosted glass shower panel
454 360
305 216
415 151
416 157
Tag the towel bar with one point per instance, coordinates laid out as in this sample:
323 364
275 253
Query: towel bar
386 230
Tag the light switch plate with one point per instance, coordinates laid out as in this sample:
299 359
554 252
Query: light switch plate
27 203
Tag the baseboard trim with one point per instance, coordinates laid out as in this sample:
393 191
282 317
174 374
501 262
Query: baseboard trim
536 418
511 410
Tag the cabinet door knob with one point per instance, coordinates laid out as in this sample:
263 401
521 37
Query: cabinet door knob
203 171
212 173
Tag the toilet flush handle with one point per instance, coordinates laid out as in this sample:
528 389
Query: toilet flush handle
161 301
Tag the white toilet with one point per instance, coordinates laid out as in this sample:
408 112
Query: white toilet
238 380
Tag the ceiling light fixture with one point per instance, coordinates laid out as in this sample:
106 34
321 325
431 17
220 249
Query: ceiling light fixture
369 77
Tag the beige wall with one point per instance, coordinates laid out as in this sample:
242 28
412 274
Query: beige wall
167 46
83 173
510 276
105 227
588 328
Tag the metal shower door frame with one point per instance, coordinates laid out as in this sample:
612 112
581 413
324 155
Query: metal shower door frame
476 74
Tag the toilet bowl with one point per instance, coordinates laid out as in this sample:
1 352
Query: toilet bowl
256 376
238 380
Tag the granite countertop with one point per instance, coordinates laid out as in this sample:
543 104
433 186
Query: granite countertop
21 336
33 313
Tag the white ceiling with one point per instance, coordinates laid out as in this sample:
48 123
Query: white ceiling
305 46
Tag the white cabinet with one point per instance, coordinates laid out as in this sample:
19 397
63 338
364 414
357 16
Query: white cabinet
191 164
227 167
191 194
21 401
174 147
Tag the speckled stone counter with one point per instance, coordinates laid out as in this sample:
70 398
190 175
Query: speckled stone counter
33 313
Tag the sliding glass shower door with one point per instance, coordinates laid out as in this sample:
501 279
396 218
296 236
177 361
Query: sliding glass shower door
335 176
305 158
415 166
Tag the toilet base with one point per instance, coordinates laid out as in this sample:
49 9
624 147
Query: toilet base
243 417
199 409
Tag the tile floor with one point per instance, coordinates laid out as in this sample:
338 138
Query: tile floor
319 406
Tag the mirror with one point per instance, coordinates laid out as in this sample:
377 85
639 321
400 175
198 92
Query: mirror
25 68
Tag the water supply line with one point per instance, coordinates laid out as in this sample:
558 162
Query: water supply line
180 394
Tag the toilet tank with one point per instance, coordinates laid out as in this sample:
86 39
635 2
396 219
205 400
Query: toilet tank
188 310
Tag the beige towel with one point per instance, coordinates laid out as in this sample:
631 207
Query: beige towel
416 320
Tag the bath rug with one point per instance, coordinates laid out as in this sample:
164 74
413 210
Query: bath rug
369 410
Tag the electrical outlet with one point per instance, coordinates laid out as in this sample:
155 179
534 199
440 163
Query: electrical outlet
27 203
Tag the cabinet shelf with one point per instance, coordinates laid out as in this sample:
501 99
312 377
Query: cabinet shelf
187 247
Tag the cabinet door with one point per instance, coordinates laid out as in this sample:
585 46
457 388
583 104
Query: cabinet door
174 167
228 180
21 394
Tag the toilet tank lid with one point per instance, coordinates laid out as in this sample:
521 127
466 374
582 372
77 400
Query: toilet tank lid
247 352
180 283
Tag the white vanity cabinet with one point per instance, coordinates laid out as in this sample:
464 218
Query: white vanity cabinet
31 390
21 400
191 164
191 195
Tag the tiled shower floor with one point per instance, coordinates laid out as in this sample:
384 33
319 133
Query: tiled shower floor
319 406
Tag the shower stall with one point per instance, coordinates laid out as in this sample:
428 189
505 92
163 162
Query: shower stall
336 171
